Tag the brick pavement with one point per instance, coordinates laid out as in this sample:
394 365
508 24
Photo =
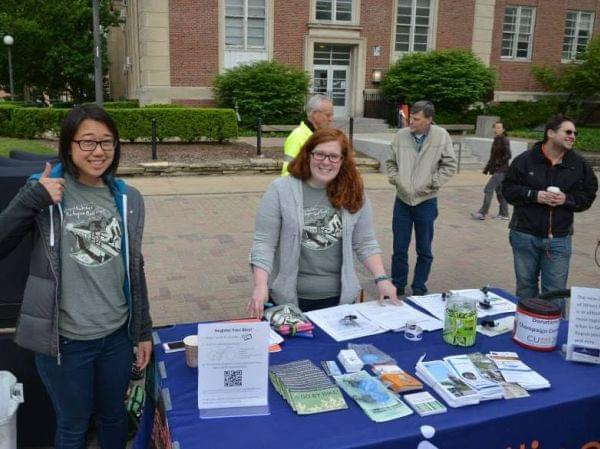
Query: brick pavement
199 231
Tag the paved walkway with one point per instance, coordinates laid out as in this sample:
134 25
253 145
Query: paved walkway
199 232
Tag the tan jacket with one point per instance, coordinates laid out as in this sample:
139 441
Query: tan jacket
418 176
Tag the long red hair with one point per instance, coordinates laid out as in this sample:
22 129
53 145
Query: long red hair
347 189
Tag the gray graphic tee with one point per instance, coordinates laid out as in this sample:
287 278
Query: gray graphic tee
319 274
92 302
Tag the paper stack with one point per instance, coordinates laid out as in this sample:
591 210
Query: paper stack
396 379
306 387
467 371
444 381
515 371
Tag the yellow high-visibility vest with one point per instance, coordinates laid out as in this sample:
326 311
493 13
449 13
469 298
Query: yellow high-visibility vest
293 143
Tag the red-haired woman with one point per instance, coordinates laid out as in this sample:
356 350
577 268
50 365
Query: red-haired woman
307 228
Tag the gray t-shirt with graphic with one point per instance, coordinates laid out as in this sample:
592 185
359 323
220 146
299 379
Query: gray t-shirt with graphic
319 274
92 302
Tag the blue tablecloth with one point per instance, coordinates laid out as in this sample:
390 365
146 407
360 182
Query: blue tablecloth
566 416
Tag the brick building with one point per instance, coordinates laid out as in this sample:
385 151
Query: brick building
170 50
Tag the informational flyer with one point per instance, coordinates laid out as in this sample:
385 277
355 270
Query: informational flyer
233 369
583 341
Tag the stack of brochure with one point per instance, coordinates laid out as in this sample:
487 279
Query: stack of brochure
444 381
515 371
306 387
396 379
373 397
467 371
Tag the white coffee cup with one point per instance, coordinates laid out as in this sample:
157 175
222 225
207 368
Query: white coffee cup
191 350
553 189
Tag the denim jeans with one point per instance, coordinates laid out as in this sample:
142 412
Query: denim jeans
537 256
422 217
494 185
92 378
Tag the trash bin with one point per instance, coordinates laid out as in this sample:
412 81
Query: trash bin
11 395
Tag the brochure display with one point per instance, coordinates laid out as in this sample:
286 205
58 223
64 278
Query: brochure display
233 369
583 340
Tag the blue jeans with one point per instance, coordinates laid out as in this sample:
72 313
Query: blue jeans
422 217
92 378
535 256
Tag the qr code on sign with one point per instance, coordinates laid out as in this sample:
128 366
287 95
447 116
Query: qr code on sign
233 378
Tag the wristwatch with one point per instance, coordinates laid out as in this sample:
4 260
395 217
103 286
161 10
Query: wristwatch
383 277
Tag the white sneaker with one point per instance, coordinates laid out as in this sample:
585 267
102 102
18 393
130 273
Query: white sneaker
502 217
477 216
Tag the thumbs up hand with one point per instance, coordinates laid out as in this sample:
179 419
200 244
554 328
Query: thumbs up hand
54 186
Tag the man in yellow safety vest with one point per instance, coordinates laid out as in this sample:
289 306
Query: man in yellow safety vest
319 114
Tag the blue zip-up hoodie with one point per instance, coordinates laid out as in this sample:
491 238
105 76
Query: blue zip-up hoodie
32 210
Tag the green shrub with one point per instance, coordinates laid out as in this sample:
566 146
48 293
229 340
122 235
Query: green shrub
266 89
33 122
519 114
588 138
452 79
6 128
127 104
189 124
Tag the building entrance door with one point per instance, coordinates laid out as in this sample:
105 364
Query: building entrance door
331 76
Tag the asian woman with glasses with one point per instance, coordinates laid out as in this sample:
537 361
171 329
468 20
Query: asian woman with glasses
85 305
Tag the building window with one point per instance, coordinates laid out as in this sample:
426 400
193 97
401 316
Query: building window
245 24
413 26
517 32
334 10
578 30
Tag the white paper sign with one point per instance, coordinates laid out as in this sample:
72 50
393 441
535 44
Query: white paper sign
233 364
583 341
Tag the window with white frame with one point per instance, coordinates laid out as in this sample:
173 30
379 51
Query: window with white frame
578 31
413 26
245 24
334 10
517 32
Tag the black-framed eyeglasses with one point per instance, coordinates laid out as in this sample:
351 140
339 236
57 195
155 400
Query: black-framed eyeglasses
90 145
333 158
570 132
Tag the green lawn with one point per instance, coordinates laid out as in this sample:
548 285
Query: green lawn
32 146
588 138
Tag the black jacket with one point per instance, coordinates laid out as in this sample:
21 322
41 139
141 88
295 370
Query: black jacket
531 172
499 156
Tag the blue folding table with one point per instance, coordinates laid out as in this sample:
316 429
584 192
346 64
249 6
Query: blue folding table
566 416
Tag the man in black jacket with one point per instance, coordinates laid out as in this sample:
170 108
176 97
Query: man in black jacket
546 185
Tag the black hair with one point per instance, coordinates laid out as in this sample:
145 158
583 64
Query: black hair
69 128
555 123
424 106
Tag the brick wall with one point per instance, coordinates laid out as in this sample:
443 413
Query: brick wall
376 19
291 18
193 42
547 40
455 24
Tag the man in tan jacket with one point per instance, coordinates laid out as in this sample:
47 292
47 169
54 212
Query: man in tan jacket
421 160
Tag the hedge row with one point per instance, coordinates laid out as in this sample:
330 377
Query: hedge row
588 138
514 114
187 124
